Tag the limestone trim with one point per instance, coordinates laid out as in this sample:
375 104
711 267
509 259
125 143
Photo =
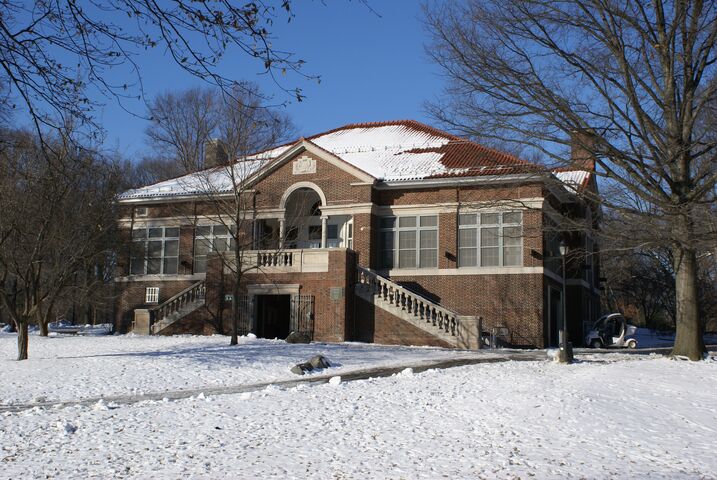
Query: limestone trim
182 220
503 205
349 209
161 278
436 182
427 272
266 214
424 209
273 288
296 186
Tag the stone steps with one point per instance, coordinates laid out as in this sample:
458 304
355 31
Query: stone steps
410 307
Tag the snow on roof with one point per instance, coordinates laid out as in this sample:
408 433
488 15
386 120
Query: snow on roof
388 151
213 180
573 180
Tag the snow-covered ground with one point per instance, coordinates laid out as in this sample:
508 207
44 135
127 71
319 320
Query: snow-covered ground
647 338
68 367
608 416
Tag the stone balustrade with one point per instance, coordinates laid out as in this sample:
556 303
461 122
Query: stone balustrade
281 261
176 303
408 302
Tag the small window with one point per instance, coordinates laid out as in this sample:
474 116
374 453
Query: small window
151 295
140 212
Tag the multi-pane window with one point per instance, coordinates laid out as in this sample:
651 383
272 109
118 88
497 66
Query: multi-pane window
155 251
409 242
211 238
490 239
151 295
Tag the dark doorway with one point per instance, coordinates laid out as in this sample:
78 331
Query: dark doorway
273 316
555 316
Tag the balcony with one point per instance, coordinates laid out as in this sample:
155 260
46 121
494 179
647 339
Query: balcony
285 261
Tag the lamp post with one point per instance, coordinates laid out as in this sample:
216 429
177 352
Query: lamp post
565 354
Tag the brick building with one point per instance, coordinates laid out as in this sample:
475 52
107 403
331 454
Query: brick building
390 232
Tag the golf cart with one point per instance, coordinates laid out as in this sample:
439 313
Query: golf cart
612 331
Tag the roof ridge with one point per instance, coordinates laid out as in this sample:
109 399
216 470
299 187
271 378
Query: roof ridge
386 123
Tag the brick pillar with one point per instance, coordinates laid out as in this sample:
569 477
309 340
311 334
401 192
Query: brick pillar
364 224
448 240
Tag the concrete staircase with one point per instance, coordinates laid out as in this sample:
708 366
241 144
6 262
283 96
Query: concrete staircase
177 307
434 319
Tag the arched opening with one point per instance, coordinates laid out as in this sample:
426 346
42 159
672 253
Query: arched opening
303 222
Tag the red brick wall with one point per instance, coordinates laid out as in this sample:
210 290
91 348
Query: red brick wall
131 295
514 301
333 320
378 326
334 182
197 323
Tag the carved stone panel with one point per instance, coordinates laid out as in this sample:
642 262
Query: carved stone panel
304 165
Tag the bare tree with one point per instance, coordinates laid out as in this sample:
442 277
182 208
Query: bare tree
628 81
182 123
56 229
102 40
244 127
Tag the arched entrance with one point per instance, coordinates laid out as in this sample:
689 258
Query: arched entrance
304 225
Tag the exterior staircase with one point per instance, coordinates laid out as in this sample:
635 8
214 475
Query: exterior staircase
177 307
417 310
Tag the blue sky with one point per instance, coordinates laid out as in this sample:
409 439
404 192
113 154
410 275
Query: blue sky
372 66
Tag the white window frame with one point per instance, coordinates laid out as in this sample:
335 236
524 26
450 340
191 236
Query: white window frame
151 295
144 251
417 228
480 227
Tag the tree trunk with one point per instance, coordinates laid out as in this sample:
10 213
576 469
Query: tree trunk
43 324
688 340
22 340
235 313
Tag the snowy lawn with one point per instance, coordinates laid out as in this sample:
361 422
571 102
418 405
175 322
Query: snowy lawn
647 338
609 417
67 367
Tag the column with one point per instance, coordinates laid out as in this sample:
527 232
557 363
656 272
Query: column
323 231
282 232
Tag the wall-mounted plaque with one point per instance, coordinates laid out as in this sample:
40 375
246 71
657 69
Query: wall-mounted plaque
304 165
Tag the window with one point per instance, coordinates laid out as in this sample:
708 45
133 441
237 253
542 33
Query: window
151 295
314 236
211 238
409 242
155 251
332 236
350 235
490 239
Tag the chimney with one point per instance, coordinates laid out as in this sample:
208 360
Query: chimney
214 153
582 149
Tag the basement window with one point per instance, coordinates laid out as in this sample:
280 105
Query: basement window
151 295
